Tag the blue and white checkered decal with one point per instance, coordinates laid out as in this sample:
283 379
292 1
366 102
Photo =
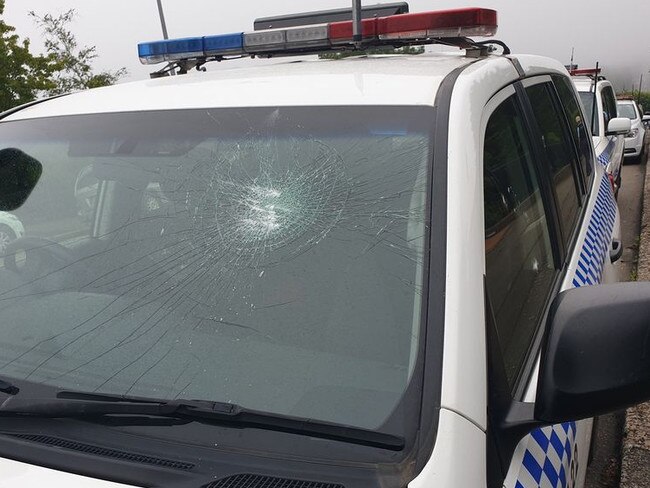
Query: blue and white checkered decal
595 248
549 460
606 156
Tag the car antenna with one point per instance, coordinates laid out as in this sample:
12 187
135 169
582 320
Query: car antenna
593 110
357 33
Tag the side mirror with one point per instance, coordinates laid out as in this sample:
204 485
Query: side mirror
618 125
596 358
19 174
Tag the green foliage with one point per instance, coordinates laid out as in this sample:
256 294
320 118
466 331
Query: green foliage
73 63
22 75
374 50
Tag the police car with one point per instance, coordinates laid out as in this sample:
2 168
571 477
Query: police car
373 271
599 101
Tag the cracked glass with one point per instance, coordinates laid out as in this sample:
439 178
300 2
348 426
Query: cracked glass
272 258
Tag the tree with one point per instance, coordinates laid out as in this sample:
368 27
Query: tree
74 69
22 75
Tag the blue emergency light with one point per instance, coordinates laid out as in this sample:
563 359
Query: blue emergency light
224 44
191 47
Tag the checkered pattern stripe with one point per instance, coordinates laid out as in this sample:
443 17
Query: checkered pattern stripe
597 241
547 461
606 156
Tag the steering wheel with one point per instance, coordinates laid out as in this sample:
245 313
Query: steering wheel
41 255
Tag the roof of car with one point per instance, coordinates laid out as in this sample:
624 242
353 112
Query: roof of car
584 83
367 80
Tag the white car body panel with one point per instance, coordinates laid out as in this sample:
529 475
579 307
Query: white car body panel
458 458
465 348
14 474
379 80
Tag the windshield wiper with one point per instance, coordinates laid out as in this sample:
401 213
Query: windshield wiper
80 405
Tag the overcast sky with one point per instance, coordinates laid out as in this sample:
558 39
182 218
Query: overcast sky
615 33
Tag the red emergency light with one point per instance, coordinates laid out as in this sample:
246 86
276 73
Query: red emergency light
440 24
585 72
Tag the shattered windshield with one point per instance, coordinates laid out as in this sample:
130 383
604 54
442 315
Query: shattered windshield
272 258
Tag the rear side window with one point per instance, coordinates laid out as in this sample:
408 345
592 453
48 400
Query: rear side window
519 262
588 101
576 121
559 152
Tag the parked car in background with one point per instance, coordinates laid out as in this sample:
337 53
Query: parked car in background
609 146
633 139
11 228
646 120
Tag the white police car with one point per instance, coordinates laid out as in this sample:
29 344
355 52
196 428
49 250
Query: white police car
605 123
368 272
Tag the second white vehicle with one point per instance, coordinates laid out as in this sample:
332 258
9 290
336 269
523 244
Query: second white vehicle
609 144
633 139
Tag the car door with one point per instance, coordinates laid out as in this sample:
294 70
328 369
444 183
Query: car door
541 194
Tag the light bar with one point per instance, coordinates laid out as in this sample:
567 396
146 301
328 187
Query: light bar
152 52
427 25
416 28
184 48
585 72
441 24
224 44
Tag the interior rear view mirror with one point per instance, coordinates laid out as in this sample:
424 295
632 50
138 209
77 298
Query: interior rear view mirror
596 358
619 125
19 174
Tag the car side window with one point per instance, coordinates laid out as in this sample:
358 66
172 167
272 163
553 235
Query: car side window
576 121
559 155
609 105
519 260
